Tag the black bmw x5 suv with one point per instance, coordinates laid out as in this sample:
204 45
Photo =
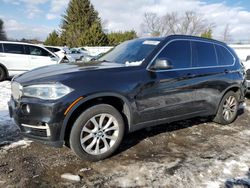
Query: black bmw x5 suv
140 83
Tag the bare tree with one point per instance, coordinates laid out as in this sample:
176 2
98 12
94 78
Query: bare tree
152 24
190 23
226 36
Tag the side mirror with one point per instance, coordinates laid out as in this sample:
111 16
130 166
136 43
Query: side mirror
162 64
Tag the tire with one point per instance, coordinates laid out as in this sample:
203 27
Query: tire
228 109
2 74
97 133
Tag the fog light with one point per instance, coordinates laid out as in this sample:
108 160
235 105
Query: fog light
26 108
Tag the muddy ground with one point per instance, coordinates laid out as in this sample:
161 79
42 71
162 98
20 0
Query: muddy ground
192 153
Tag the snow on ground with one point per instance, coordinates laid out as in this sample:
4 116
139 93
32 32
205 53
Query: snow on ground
8 130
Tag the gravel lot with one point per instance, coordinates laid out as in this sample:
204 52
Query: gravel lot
192 153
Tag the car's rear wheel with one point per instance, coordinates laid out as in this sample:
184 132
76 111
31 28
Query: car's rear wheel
2 74
228 108
97 132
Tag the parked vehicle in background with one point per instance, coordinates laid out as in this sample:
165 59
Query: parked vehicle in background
16 58
247 67
83 50
61 52
140 83
77 54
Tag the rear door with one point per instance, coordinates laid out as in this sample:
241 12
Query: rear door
39 57
213 77
14 57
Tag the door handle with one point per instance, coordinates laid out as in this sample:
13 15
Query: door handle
226 71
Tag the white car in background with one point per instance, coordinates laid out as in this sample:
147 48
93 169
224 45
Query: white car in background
77 54
62 52
17 58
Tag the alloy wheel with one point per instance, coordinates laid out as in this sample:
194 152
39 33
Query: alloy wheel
229 108
99 134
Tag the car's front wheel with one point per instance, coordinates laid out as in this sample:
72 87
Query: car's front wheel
97 132
228 108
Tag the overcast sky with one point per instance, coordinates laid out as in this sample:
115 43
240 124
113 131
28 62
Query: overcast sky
37 18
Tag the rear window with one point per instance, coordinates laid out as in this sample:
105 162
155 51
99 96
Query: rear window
203 54
13 48
224 56
1 47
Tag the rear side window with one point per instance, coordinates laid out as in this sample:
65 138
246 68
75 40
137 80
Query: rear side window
13 48
1 47
203 54
224 56
36 51
178 53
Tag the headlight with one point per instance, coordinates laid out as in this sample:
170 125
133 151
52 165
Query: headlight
47 91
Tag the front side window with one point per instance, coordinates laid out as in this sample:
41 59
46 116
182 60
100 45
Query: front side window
203 54
36 51
224 56
178 53
13 48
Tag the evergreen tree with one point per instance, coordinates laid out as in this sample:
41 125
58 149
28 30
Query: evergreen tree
94 36
2 32
79 21
53 39
116 38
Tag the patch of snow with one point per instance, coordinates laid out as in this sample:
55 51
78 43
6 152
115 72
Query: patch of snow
20 143
213 184
85 169
8 129
135 63
71 177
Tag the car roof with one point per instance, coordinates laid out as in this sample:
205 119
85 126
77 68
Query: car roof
195 38
188 37
23 43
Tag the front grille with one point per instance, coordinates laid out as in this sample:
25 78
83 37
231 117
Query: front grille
248 74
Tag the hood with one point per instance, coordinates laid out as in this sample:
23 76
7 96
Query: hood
59 69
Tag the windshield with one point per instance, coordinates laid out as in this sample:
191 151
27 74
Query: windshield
131 52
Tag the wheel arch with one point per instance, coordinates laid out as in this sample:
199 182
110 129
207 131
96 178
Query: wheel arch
5 69
234 88
118 101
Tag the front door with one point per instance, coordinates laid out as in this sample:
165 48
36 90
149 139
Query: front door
168 94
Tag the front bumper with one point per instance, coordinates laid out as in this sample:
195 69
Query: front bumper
43 123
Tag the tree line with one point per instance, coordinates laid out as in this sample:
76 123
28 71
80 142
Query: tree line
81 26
